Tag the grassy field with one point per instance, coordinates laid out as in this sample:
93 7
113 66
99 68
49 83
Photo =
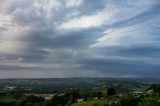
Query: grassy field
91 103
8 98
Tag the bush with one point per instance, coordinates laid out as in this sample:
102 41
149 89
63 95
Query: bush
111 91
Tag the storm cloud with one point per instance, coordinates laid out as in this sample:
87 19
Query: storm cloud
79 38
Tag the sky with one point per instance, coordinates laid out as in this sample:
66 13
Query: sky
79 38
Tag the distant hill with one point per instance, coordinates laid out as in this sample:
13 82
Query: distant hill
78 80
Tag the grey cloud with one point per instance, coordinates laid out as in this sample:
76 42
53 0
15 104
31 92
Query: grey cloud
40 40
3 29
119 67
92 6
149 14
15 68
139 50
46 44
148 51
74 39
11 6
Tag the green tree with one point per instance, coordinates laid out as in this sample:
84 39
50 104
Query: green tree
111 91
152 100
129 100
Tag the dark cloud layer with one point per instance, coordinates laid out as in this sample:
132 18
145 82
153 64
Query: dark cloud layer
68 38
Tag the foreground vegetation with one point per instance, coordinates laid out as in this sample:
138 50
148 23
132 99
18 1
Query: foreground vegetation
93 94
70 99
92 103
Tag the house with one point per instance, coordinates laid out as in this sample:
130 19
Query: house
10 88
95 98
149 91
80 100
137 93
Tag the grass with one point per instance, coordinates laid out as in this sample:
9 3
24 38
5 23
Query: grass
91 103
9 98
